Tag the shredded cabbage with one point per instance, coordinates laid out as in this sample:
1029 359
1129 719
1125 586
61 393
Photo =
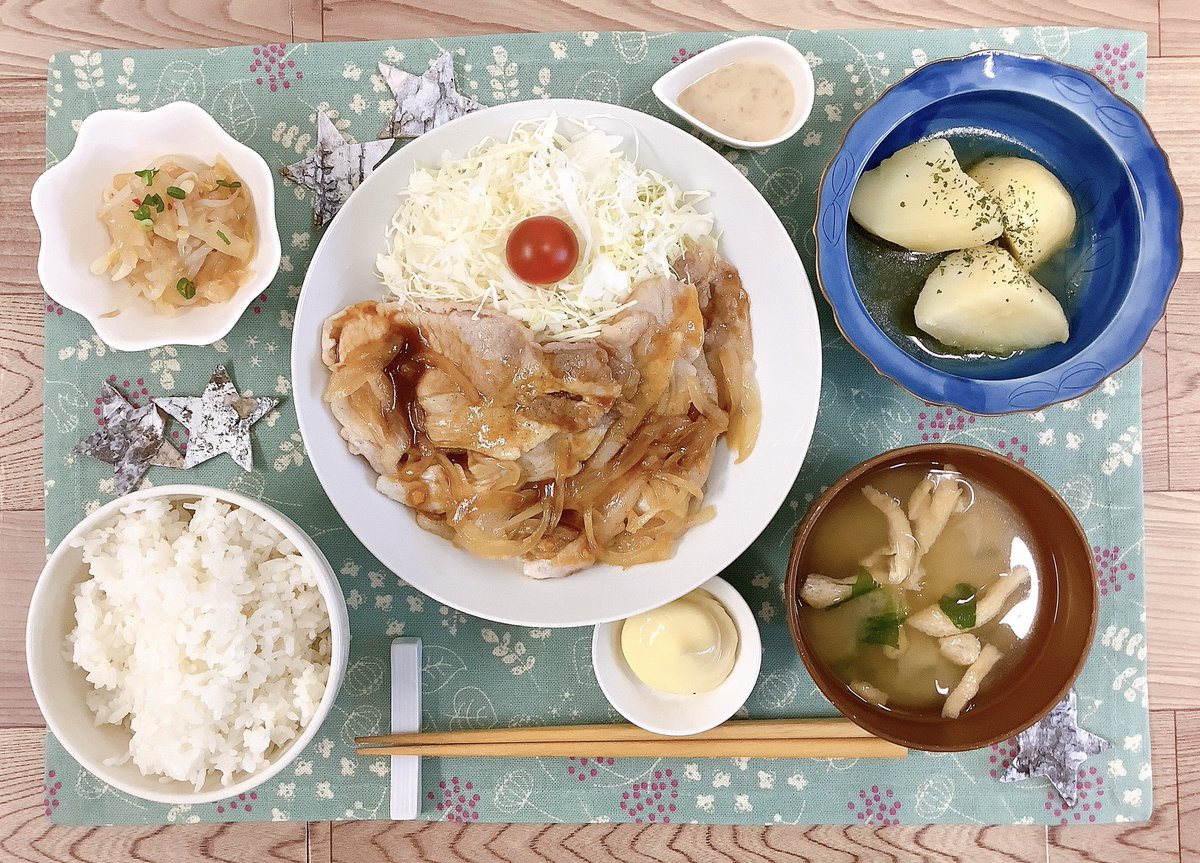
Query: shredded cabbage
447 240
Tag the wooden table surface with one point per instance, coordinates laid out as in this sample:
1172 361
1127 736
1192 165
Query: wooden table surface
30 30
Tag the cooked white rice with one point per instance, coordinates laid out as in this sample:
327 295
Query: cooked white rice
202 631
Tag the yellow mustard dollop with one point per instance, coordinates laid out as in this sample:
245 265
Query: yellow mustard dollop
686 646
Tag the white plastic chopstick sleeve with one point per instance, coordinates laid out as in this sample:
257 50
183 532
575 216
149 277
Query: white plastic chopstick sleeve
406 716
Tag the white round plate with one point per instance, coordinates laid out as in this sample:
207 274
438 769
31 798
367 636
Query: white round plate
787 348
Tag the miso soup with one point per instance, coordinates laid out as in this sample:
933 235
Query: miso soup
908 592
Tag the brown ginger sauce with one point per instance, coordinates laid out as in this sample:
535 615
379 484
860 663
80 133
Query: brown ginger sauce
404 371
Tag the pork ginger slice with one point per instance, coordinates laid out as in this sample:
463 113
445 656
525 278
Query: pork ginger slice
357 344
557 557
485 384
728 341
991 599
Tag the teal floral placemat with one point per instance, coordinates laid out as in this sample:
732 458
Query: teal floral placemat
478 673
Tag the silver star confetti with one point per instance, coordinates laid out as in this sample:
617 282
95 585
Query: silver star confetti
219 420
131 440
335 169
424 102
1054 747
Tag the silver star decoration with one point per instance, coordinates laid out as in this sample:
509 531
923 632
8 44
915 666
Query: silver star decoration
1054 747
335 169
424 102
131 440
219 420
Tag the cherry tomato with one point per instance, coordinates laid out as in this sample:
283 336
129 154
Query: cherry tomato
542 250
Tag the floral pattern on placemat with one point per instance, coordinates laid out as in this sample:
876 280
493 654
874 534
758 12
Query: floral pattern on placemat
478 673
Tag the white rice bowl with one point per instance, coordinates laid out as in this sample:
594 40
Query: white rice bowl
186 643
203 631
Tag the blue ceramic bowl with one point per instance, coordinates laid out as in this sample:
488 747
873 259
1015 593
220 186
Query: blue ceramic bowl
1113 280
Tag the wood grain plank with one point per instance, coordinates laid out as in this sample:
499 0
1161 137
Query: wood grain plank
21 549
1179 26
21 319
1187 760
307 23
400 19
1183 382
22 158
1156 441
32 30
414 841
1156 841
27 835
1171 85
320 842
1172 601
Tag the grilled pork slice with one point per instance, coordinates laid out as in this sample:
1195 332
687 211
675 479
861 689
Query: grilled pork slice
469 381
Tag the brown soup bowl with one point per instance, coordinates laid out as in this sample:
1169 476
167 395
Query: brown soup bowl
1063 627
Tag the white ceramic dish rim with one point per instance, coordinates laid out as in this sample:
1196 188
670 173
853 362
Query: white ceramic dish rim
75 287
669 85
459 580
339 638
647 707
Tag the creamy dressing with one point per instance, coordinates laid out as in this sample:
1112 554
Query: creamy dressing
686 646
750 100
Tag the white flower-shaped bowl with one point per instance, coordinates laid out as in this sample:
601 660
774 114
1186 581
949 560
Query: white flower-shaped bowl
66 198
667 712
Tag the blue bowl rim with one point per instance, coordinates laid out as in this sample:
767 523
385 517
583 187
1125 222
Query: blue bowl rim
1158 264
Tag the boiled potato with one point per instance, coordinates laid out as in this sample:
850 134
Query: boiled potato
981 300
1039 215
921 199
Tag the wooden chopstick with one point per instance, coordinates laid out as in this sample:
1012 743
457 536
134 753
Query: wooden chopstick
763 738
664 747
741 729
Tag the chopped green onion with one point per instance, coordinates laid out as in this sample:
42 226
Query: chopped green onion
142 214
959 605
882 629
863 584
236 184
224 238
176 193
154 201
186 288
147 175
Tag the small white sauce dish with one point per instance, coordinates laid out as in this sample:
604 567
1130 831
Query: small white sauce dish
61 687
758 48
66 197
680 715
